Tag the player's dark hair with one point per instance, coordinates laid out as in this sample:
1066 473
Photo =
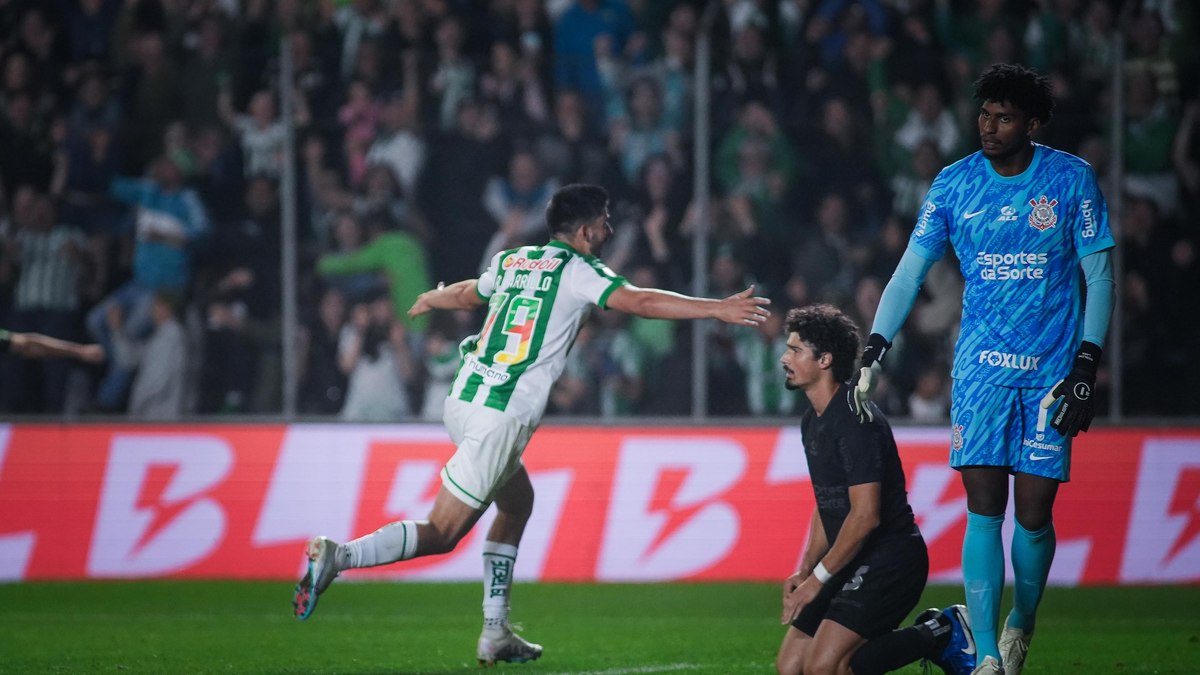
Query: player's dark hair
573 205
1019 86
830 331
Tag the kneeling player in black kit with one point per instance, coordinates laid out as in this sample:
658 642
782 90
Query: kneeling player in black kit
865 564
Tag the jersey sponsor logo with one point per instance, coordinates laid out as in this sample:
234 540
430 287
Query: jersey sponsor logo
491 376
1089 219
1007 214
519 262
1011 361
1043 216
1036 445
1011 266
967 215
923 221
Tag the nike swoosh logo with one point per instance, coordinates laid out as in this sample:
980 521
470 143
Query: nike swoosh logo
968 216
1037 458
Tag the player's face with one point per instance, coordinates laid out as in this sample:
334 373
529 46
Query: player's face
800 362
1004 129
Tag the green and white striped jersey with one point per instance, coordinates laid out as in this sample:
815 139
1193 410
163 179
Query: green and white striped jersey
538 296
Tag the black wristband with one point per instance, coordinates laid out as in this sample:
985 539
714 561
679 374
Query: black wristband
876 347
1087 359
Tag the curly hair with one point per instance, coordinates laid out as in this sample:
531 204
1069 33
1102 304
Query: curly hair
1022 87
830 331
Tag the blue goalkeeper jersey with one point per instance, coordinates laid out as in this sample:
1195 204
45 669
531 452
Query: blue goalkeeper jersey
1019 240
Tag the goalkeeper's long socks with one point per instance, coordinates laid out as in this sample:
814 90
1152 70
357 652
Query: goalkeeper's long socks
1032 553
391 543
498 562
983 579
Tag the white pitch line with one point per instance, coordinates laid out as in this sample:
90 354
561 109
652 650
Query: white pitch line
670 667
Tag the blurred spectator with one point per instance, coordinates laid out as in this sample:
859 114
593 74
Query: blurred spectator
398 255
930 401
358 116
910 186
617 365
206 72
517 203
374 354
168 221
838 159
88 27
824 258
152 98
1185 154
1150 129
161 361
358 21
758 351
86 166
642 130
929 120
26 152
647 229
322 382
261 132
755 168
51 262
453 77
512 82
569 148
399 145
576 34
751 74
240 297
440 363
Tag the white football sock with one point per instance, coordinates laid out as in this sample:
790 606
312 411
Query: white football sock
498 561
390 543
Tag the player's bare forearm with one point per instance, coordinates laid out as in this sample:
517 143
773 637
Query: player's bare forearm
459 295
816 547
742 308
38 346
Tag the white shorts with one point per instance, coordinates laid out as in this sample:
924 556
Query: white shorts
490 445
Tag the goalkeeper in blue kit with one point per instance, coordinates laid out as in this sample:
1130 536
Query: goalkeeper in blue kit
1023 219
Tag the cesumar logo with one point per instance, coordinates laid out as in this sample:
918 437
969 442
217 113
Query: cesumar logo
1089 219
1011 361
923 221
1011 266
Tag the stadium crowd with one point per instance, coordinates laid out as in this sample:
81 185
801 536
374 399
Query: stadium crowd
141 150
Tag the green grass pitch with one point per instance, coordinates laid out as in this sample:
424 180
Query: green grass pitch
607 629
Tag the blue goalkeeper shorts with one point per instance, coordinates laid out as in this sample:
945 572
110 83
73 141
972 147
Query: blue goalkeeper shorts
1006 426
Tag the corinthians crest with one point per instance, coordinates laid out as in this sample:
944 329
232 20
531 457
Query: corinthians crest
1043 217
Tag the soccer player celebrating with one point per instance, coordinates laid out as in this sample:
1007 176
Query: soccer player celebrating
1022 218
537 298
865 564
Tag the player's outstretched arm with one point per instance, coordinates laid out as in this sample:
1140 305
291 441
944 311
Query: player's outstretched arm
740 308
460 295
38 346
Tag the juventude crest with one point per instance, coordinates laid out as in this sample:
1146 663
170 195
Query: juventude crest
1043 217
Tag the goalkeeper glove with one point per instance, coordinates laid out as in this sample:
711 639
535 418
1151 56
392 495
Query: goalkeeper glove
1076 389
868 376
